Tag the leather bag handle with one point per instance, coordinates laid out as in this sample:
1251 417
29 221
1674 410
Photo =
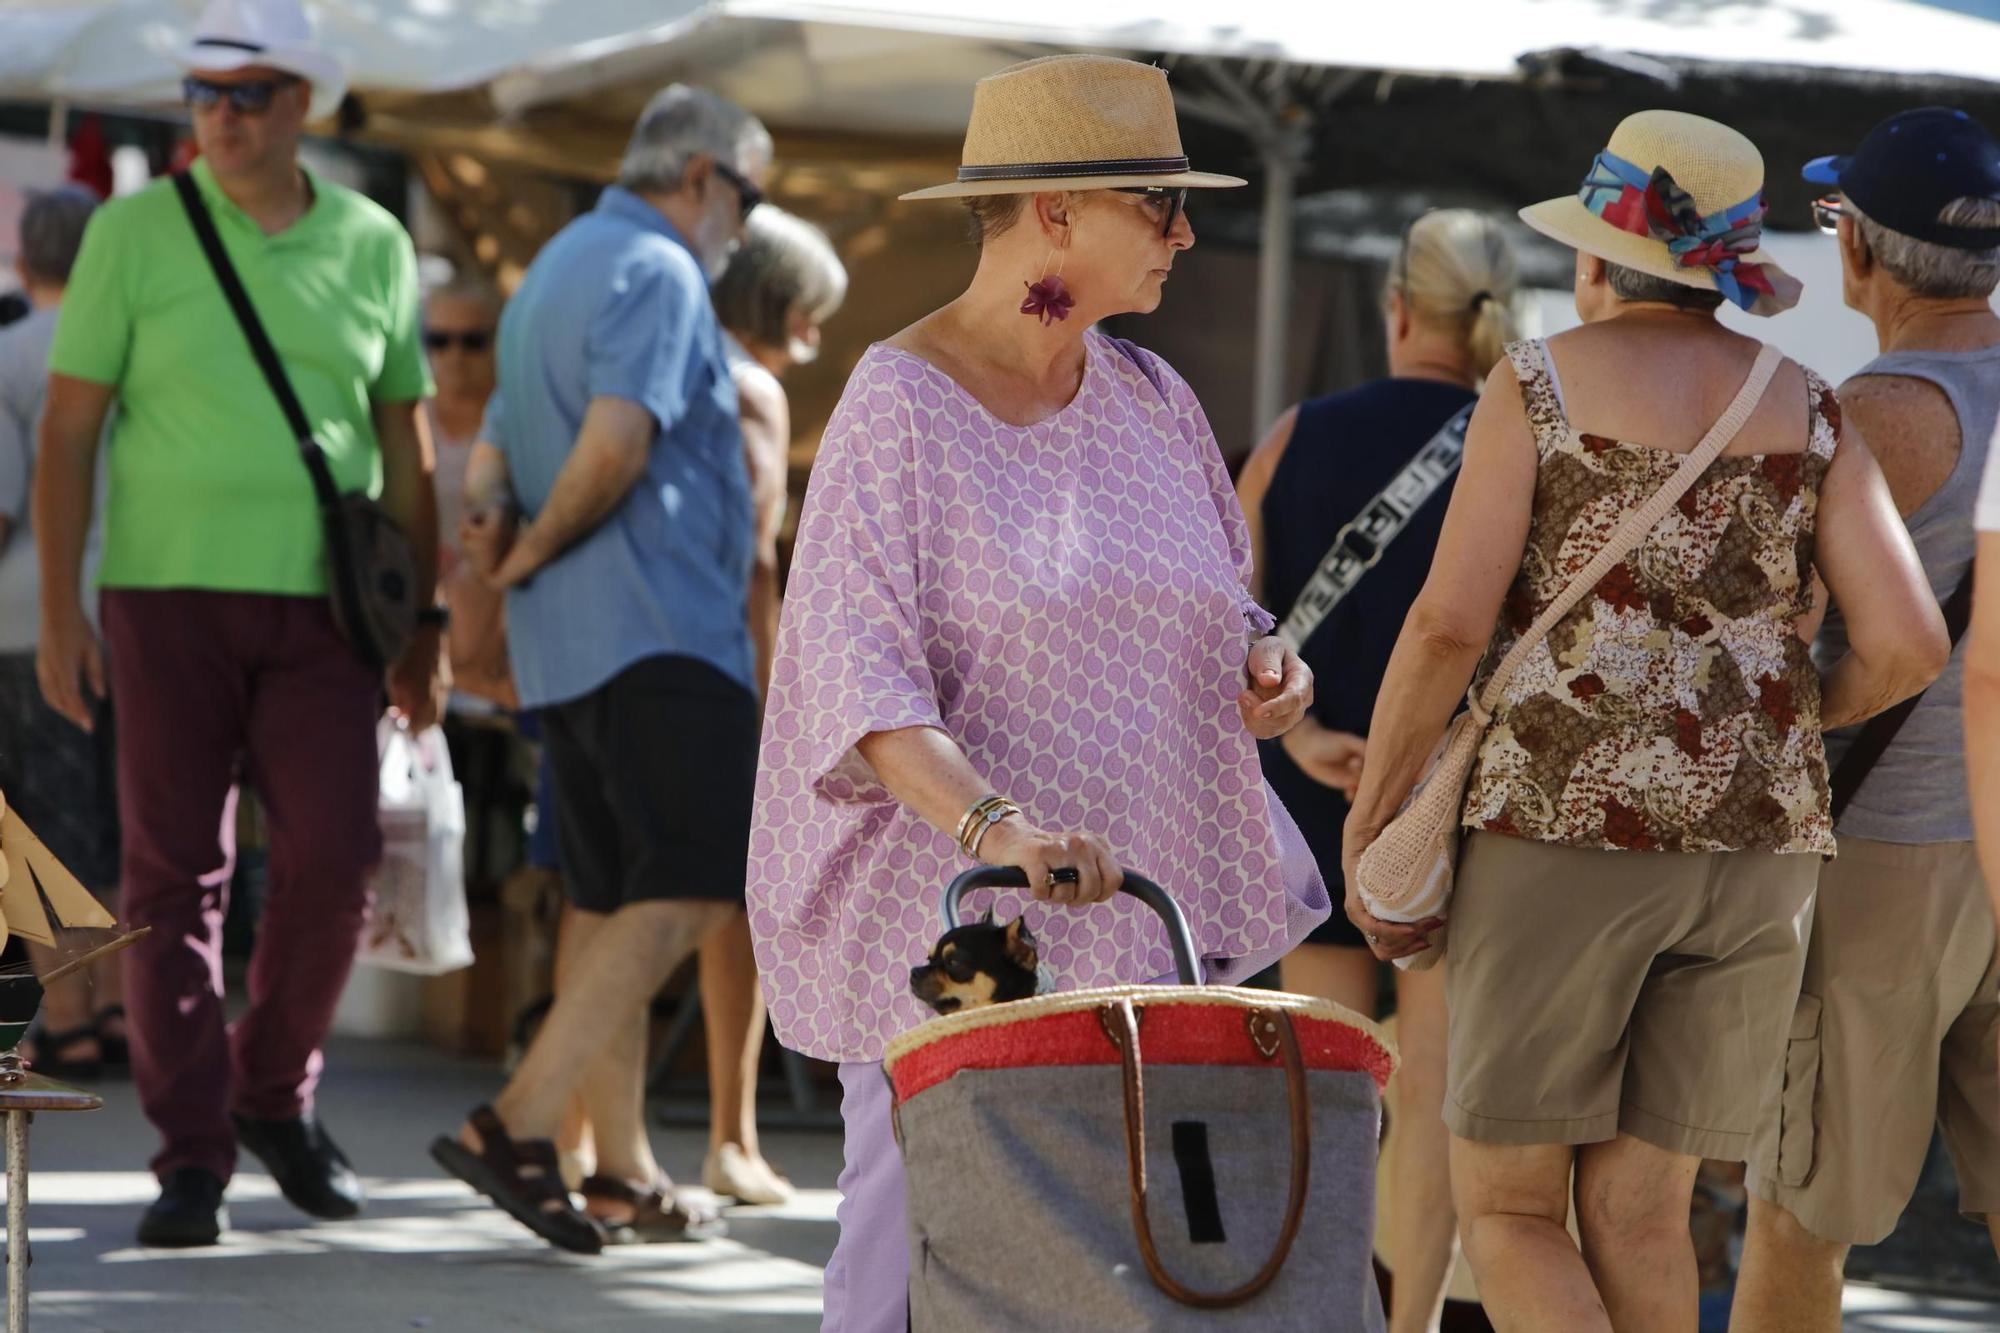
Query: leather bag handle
1271 1031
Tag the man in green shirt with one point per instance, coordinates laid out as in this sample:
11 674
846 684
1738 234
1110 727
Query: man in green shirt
218 633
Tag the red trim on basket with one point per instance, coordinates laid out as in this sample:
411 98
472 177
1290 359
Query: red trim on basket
1169 1034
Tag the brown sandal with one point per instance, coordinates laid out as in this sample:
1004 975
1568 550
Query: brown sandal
520 1176
659 1213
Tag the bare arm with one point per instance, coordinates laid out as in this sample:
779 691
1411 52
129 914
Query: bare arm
1447 632
1982 711
1451 623
477 637
925 769
67 655
409 494
767 437
1253 483
606 462
1896 635
1912 430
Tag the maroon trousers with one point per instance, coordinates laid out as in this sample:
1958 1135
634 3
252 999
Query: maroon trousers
205 682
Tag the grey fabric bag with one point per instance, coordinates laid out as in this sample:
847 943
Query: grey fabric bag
1142 1158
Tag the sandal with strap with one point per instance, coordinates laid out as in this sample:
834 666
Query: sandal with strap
659 1213
49 1062
117 1050
521 1177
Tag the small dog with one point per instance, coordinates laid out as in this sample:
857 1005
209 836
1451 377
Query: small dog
980 964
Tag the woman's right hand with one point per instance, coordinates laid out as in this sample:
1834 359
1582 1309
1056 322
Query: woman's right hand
1015 842
1330 758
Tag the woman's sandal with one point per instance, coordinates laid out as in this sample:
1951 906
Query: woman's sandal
48 1059
659 1213
521 1177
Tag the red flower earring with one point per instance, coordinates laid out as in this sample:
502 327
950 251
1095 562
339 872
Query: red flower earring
1050 297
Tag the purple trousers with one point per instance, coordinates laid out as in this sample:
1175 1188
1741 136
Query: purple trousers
207 682
867 1280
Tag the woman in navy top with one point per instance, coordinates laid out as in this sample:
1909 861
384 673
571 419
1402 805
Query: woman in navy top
1447 310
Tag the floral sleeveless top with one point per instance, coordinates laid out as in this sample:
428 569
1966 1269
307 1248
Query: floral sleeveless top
1676 709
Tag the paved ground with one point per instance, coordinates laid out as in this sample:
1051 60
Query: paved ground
427 1258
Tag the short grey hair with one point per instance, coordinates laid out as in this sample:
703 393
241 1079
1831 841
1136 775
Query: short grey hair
682 123
1936 272
1631 284
52 231
472 286
784 264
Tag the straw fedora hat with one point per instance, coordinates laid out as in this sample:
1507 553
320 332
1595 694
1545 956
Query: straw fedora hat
1073 123
1679 197
273 34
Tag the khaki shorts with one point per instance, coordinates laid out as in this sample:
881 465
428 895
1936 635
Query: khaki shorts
1895 1029
1594 993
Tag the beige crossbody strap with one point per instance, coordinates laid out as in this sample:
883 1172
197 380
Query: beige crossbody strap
1633 530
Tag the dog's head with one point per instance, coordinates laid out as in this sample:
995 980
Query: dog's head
978 964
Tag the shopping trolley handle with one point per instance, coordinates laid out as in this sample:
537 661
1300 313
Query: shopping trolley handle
1147 892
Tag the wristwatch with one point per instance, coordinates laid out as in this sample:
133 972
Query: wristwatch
434 617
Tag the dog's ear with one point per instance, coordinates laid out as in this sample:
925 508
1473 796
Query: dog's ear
987 920
1021 945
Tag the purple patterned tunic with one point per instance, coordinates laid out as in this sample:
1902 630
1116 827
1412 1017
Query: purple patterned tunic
1067 601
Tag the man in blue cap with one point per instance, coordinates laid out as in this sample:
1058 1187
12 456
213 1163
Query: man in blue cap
1899 1011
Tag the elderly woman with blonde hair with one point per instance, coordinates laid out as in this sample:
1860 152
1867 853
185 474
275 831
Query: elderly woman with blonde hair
1018 631
782 283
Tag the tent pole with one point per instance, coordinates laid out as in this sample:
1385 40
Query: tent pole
1282 160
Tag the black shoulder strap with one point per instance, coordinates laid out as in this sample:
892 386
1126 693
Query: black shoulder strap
1879 731
260 342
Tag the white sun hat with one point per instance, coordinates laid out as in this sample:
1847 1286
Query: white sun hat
276 34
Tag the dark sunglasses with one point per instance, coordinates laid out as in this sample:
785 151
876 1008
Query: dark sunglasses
1173 198
476 340
1826 213
248 99
748 195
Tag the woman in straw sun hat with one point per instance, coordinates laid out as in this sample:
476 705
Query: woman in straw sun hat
1020 575
1648 808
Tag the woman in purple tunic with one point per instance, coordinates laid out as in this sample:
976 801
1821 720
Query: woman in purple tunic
1021 571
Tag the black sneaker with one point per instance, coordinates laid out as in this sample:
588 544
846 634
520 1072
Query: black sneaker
188 1213
312 1172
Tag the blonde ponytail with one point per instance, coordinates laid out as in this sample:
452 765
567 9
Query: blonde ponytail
1456 273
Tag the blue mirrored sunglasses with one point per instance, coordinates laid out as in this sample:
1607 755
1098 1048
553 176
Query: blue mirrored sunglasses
245 98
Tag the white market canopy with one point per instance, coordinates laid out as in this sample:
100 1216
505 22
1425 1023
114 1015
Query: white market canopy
905 68
907 65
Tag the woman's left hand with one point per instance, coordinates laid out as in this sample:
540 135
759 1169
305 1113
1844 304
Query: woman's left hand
1280 688
1387 940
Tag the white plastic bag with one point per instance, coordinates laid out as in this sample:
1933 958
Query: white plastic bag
419 922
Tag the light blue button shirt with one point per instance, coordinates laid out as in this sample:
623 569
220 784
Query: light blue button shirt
617 306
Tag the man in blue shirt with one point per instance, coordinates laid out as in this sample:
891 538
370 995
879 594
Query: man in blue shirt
627 588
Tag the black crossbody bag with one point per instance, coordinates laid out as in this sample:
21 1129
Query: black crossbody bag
371 565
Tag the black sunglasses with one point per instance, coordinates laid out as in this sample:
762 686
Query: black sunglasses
473 340
1826 213
1174 198
248 99
748 195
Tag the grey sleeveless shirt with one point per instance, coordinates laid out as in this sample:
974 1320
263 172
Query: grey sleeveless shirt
1916 791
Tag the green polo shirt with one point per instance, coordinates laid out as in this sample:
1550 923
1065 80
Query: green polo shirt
207 488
